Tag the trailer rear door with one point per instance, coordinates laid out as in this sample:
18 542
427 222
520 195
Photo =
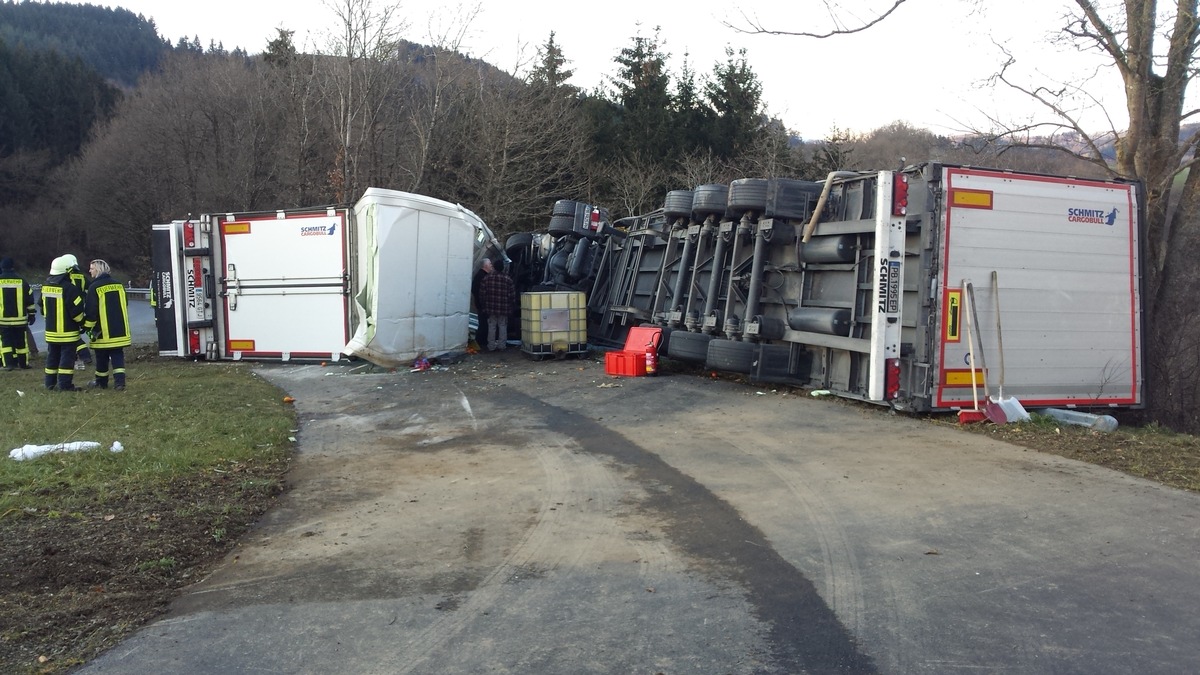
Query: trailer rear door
1065 256
284 285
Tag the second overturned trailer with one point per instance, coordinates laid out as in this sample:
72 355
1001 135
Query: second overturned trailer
387 280
921 288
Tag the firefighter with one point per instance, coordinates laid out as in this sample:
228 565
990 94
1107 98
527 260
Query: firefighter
17 313
63 309
106 318
83 356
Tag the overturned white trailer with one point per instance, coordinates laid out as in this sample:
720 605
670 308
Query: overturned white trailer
387 280
862 285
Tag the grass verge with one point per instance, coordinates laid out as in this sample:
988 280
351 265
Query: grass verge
1150 452
94 543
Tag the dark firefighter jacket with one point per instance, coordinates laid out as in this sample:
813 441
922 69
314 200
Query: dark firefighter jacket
16 300
62 306
107 314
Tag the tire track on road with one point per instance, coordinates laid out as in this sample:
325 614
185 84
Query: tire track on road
805 633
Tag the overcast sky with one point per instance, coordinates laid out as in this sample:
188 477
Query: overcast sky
927 64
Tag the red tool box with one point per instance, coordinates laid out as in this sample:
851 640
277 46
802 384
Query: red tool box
641 346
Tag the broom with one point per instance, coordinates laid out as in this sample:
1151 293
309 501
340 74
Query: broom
975 415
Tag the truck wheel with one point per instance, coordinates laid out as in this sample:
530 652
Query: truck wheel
678 204
565 207
710 200
747 194
688 346
665 342
518 240
732 356
562 225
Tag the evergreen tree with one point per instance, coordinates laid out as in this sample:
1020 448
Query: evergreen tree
117 43
550 70
281 51
693 119
49 102
735 95
643 94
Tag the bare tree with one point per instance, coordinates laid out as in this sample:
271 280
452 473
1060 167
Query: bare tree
356 82
634 180
771 155
1154 55
528 147
443 79
698 168
304 145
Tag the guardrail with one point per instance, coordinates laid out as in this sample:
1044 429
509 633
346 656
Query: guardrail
135 291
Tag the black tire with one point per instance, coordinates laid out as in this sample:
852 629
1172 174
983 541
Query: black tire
518 240
710 200
561 225
732 356
565 207
665 342
688 346
678 204
747 194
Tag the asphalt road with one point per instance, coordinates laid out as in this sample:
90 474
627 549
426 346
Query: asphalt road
506 516
141 324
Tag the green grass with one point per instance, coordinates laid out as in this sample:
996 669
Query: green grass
177 420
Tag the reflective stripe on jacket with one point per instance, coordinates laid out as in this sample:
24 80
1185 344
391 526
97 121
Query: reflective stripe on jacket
79 279
107 314
16 300
62 306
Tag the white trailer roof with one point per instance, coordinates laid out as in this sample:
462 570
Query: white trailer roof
416 255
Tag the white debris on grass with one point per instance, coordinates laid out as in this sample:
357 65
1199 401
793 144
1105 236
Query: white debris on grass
34 451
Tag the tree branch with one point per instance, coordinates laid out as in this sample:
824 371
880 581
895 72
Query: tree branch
753 26
1051 100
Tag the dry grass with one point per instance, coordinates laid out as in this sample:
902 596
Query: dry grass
1152 452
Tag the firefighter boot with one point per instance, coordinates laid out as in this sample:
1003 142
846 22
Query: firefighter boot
51 379
101 382
66 382
119 380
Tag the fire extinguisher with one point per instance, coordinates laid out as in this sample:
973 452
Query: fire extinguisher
651 360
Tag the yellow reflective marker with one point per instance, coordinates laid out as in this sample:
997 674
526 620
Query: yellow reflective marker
971 199
953 316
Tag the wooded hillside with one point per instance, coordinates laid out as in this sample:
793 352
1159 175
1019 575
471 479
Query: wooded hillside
116 43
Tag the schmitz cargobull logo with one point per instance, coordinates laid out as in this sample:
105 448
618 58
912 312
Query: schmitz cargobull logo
1094 216
317 230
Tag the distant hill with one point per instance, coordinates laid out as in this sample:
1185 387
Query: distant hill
115 42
